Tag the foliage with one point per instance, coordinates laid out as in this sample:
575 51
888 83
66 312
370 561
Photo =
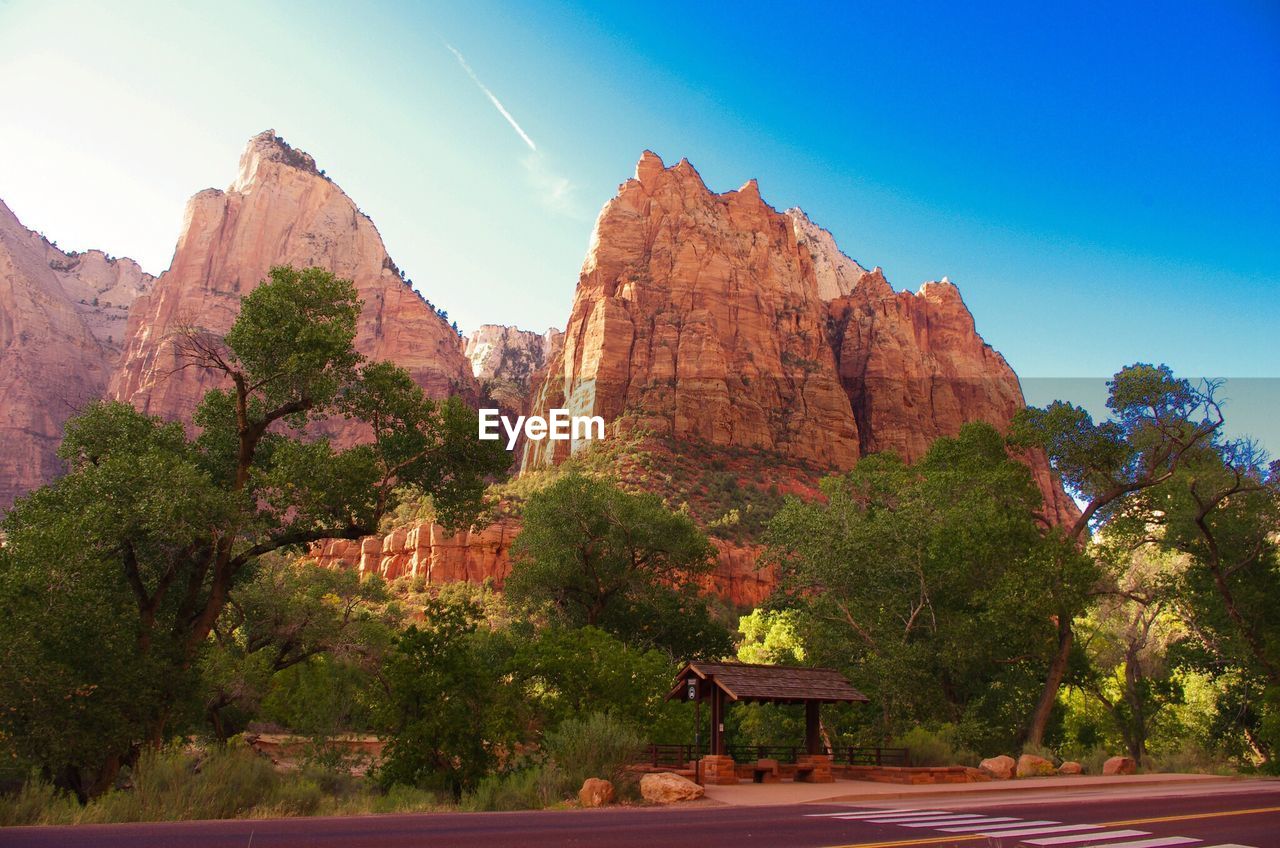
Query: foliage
291 614
927 585
595 745
447 715
568 673
769 637
936 746
1157 422
592 554
171 784
153 530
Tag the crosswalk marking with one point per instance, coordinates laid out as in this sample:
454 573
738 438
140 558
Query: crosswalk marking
1051 834
1038 831
1158 842
969 828
915 820
1088 837
979 821
866 814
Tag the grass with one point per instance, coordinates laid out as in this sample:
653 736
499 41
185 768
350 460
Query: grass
233 782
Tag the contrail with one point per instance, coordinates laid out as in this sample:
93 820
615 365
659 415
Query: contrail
489 94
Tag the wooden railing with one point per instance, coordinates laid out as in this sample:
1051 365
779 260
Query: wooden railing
681 755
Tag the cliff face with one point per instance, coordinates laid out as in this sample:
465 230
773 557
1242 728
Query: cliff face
280 210
507 360
713 318
697 317
62 318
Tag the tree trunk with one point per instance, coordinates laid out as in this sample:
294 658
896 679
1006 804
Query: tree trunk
1052 683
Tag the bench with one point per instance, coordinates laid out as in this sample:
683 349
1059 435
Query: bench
766 771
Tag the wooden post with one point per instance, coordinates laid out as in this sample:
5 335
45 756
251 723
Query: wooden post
717 718
812 741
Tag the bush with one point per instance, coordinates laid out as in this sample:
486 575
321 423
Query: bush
38 802
527 789
938 747
596 745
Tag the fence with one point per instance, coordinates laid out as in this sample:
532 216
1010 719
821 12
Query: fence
680 756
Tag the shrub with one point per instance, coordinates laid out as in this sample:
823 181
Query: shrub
38 802
936 747
596 745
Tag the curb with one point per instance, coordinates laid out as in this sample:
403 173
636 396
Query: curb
1006 786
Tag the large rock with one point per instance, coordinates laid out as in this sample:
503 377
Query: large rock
715 320
1001 767
595 792
697 317
668 788
281 210
506 361
1029 765
62 320
1120 765
1070 768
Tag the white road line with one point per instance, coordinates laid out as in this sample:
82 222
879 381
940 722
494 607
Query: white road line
915 817
1067 840
863 814
1158 842
1014 823
980 821
1038 831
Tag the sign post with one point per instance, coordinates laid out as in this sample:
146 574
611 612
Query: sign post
692 694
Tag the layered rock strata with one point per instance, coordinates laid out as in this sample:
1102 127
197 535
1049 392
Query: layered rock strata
281 210
62 319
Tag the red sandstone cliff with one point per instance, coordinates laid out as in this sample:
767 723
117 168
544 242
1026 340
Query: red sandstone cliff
715 318
280 210
62 319
697 316
507 361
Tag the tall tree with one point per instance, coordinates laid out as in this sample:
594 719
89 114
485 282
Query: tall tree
929 582
593 554
164 526
1157 421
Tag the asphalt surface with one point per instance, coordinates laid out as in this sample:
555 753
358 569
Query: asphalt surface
1228 815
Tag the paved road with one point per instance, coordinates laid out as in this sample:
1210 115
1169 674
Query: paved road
1228 816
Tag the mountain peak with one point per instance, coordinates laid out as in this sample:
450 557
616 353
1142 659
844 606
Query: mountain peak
267 147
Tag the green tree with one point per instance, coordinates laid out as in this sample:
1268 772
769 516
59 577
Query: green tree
1157 421
593 554
163 526
571 673
286 613
927 583
1127 638
449 710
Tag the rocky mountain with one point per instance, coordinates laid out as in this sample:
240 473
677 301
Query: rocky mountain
280 210
62 321
697 317
719 323
506 361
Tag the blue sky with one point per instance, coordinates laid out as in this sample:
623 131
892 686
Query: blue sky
1103 184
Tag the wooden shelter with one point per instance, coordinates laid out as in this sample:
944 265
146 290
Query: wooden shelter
721 682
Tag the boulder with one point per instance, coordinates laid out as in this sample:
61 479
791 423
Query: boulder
1001 767
1120 765
1070 767
668 788
595 792
1029 765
